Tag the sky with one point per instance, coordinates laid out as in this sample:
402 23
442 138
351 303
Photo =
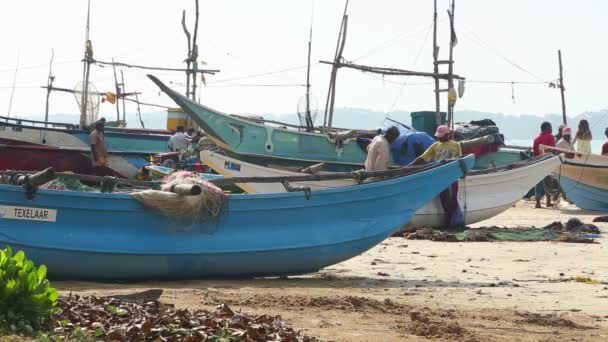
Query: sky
253 43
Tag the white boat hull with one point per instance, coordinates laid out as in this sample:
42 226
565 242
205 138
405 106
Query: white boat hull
481 196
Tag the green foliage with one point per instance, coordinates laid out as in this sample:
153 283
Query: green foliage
26 297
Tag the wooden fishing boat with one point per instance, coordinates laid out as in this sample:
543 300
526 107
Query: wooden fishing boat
15 131
265 144
78 160
482 195
112 236
583 177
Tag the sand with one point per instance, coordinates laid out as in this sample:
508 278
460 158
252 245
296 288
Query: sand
418 290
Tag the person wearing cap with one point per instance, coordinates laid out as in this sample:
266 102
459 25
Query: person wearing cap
544 138
379 150
99 152
445 148
565 143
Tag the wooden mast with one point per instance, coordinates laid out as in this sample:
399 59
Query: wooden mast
49 84
331 94
561 85
194 57
118 91
451 90
124 91
88 57
436 66
309 123
187 33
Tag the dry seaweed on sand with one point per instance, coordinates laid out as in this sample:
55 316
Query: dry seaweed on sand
572 231
119 320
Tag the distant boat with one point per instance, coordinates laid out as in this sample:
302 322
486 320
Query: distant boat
483 193
15 131
104 236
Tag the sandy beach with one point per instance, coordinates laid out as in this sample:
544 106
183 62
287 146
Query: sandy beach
418 290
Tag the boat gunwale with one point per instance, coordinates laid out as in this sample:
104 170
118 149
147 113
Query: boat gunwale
360 188
157 136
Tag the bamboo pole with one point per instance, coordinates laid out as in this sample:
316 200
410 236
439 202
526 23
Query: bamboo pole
561 86
334 70
49 84
118 91
436 66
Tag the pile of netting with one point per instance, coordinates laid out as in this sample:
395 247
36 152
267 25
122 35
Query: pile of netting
572 231
207 205
63 183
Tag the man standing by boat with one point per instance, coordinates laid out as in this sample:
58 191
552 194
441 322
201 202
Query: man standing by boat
99 153
544 138
379 150
179 140
445 148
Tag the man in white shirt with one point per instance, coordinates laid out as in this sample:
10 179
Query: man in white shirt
179 140
565 143
379 150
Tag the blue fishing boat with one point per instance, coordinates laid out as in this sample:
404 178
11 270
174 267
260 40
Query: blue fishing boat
585 182
99 236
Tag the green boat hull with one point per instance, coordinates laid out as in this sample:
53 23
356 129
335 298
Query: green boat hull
256 141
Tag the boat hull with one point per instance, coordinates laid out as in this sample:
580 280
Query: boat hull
585 184
112 236
11 134
247 139
36 158
481 195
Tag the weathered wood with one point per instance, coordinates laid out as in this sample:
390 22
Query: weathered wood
561 86
361 175
38 178
390 71
199 71
188 38
187 189
436 67
87 178
334 71
314 168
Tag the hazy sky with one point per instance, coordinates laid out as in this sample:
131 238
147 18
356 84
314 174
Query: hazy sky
244 38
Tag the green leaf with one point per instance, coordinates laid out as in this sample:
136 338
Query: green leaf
41 273
116 311
99 332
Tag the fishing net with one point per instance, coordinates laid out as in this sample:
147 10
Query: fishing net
70 184
205 206
573 231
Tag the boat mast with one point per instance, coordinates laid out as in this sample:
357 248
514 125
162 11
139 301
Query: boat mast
561 85
331 94
436 66
88 59
118 91
309 123
451 91
49 85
